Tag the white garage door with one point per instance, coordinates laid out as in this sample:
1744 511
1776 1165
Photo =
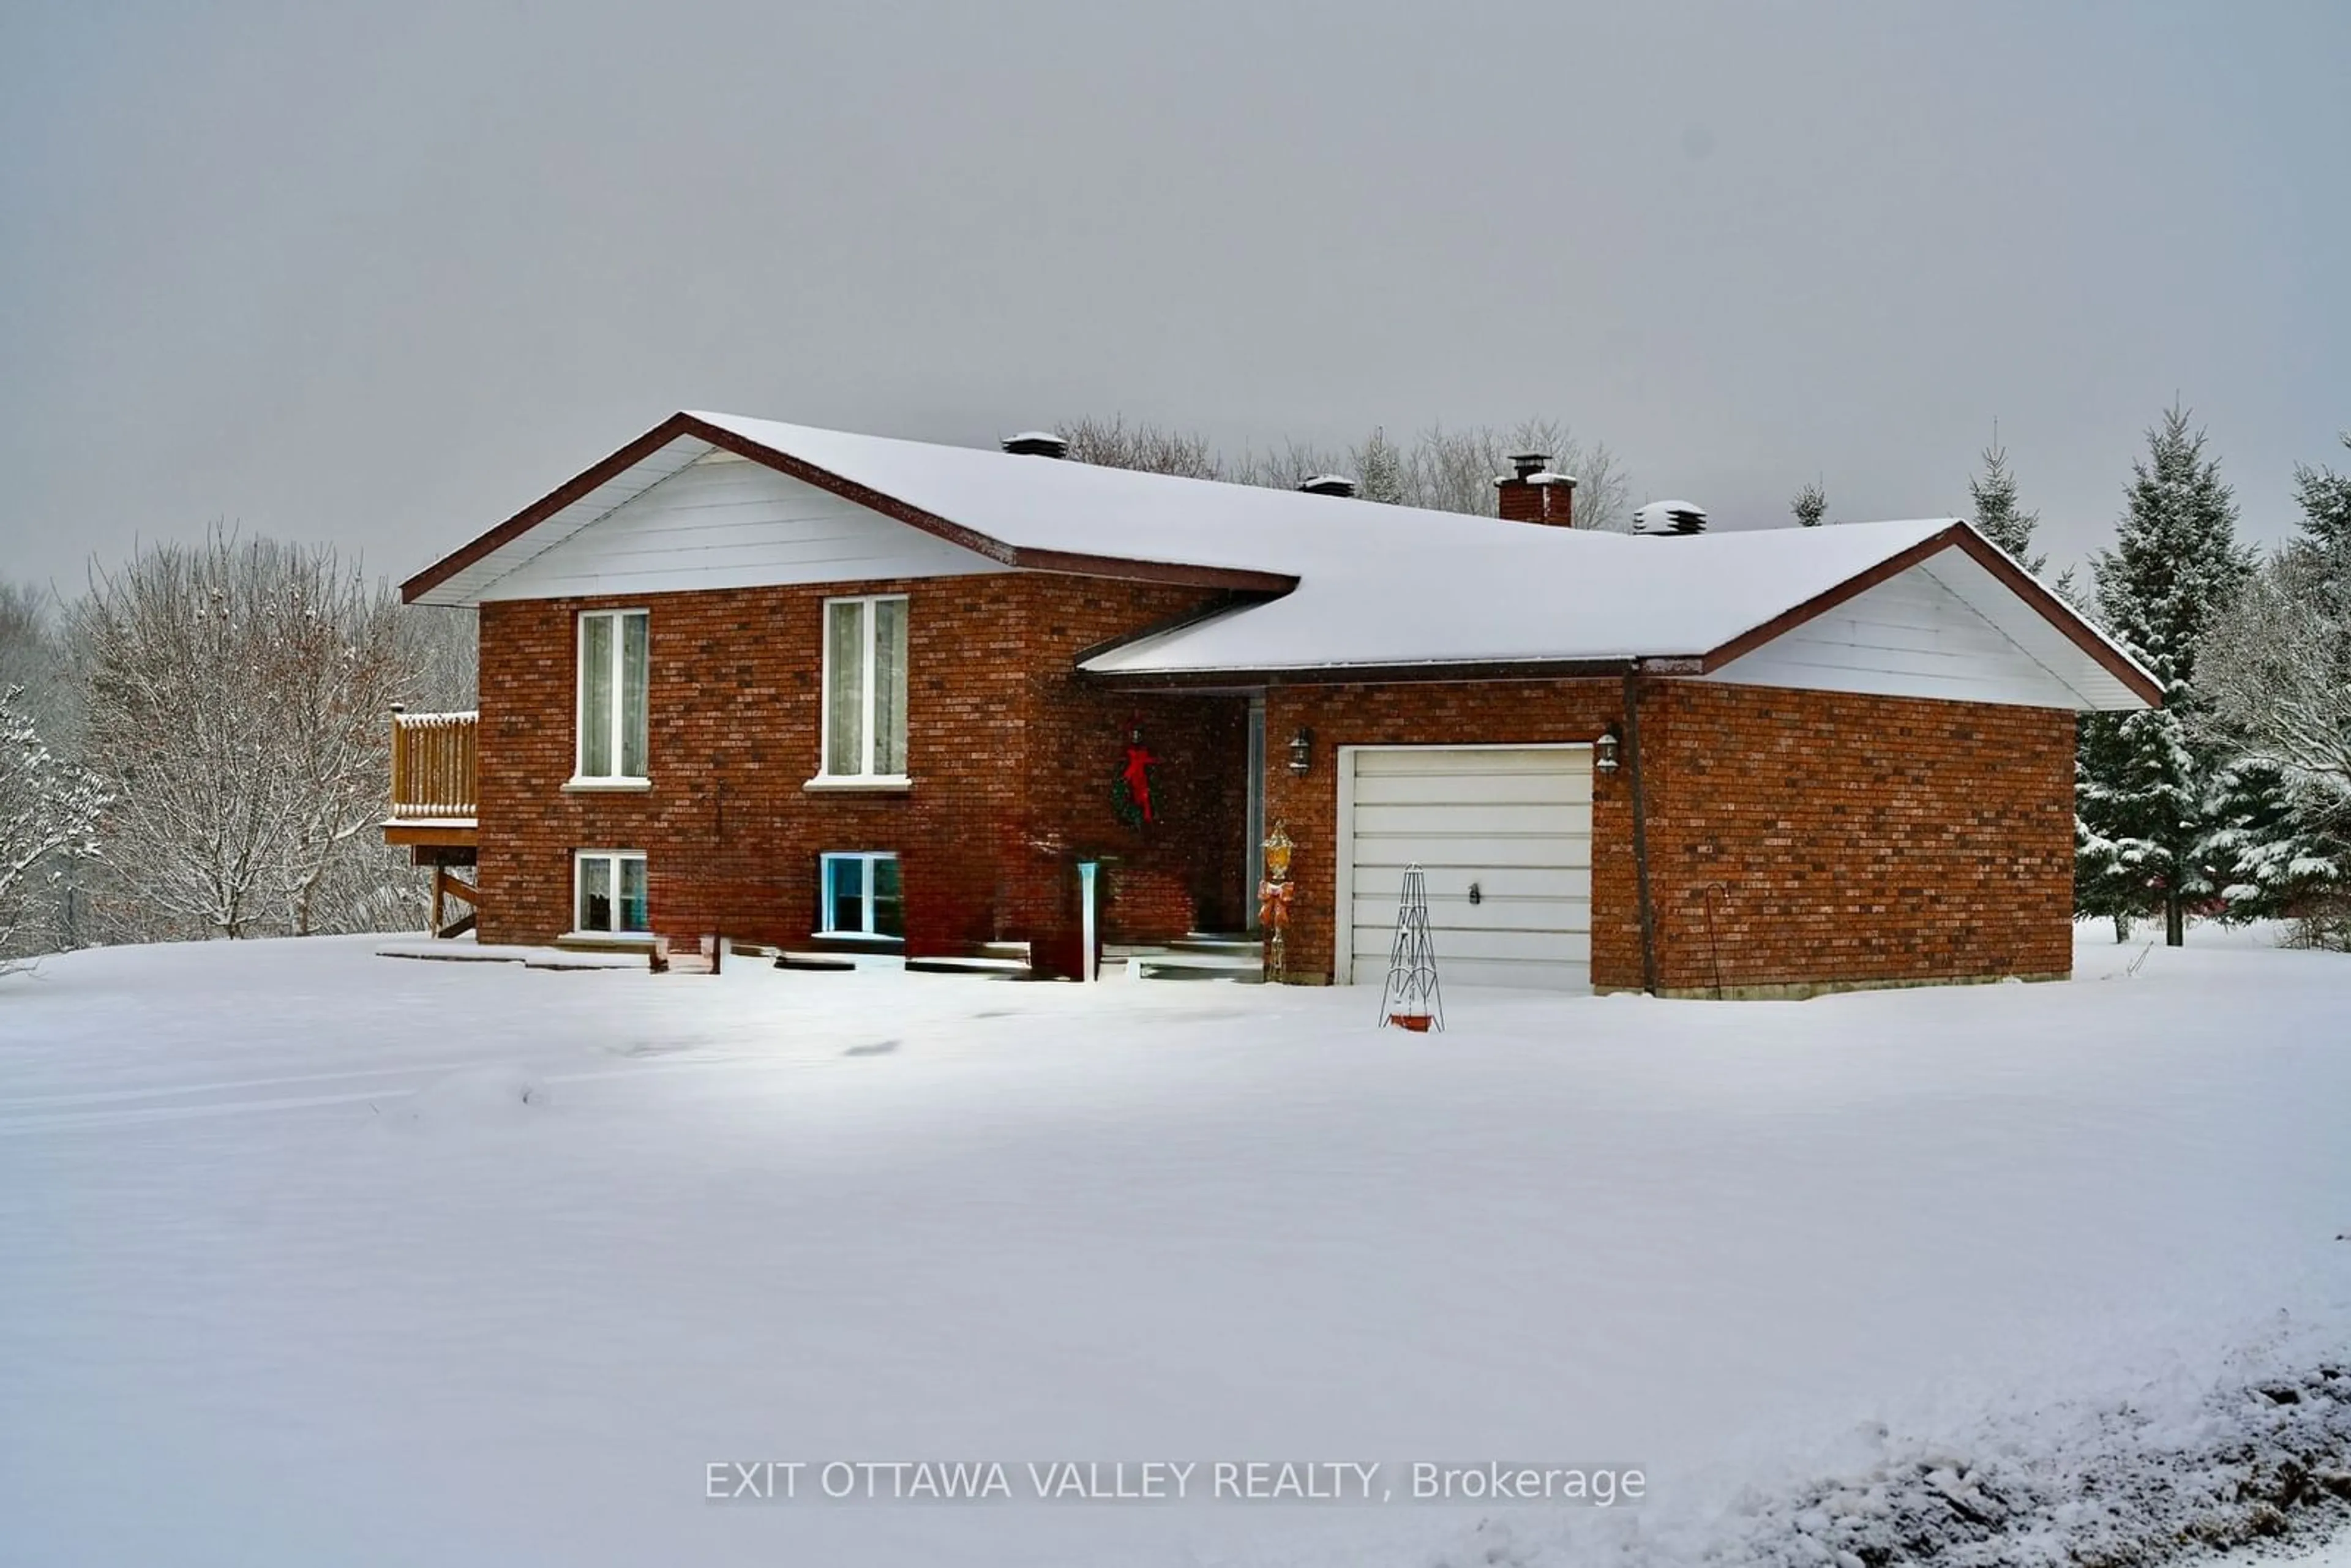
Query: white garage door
1514 824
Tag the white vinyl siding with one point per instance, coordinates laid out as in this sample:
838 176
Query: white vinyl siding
1929 633
865 689
724 522
613 677
608 893
1515 821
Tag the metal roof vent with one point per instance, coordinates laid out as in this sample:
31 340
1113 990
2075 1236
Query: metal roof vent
1328 485
1666 518
1037 444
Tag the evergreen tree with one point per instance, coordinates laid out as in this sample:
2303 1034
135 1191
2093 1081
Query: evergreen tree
1997 515
2326 497
2147 796
2275 851
1380 470
1811 505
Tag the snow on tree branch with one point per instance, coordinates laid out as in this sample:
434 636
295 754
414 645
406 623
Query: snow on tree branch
49 806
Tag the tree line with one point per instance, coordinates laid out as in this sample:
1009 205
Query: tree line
1444 470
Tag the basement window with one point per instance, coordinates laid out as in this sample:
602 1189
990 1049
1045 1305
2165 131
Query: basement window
859 896
608 893
612 677
864 691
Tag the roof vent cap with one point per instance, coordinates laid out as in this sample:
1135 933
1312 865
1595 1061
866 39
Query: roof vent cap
1666 518
1529 463
1037 444
1328 485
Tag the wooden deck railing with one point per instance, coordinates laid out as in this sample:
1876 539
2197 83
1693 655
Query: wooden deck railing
434 755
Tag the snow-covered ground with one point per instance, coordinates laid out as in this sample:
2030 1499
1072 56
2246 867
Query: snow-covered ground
311 1256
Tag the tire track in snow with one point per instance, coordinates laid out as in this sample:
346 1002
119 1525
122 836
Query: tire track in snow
104 1096
20 1125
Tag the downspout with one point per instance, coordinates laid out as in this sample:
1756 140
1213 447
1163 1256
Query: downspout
1640 830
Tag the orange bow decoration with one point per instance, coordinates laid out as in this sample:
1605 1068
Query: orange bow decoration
1273 903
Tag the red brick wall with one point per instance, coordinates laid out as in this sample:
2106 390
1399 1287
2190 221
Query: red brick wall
1856 839
1011 760
1847 839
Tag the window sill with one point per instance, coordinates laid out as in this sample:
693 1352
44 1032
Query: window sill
578 785
872 937
824 783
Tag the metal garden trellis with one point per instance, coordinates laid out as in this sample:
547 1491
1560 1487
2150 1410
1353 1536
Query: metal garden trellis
1411 999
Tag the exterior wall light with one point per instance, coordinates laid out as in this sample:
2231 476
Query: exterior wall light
1301 752
1603 751
1279 847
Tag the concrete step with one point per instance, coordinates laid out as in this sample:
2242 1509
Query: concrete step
1230 944
1185 965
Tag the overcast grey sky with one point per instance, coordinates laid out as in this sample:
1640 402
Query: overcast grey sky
380 276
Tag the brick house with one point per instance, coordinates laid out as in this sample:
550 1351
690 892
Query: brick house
807 689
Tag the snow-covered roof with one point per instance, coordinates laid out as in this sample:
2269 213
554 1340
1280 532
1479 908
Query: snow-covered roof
1351 583
1515 593
1054 507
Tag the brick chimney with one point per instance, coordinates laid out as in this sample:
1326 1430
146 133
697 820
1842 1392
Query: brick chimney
1536 495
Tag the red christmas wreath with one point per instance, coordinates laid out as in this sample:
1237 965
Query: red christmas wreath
1131 792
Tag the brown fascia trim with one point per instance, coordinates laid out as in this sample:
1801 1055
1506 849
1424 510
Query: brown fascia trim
1227 600
679 427
1985 553
1233 579
1363 675
545 507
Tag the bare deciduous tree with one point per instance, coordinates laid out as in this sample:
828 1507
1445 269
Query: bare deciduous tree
1454 470
1145 447
236 698
441 655
29 656
2277 669
1443 470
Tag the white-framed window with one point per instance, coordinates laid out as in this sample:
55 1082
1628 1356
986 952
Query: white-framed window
858 896
612 679
865 689
607 892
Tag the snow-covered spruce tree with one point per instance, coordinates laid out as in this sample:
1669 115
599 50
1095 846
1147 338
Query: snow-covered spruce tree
1379 469
49 807
2326 497
1811 505
2276 674
2280 853
2144 800
1997 516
